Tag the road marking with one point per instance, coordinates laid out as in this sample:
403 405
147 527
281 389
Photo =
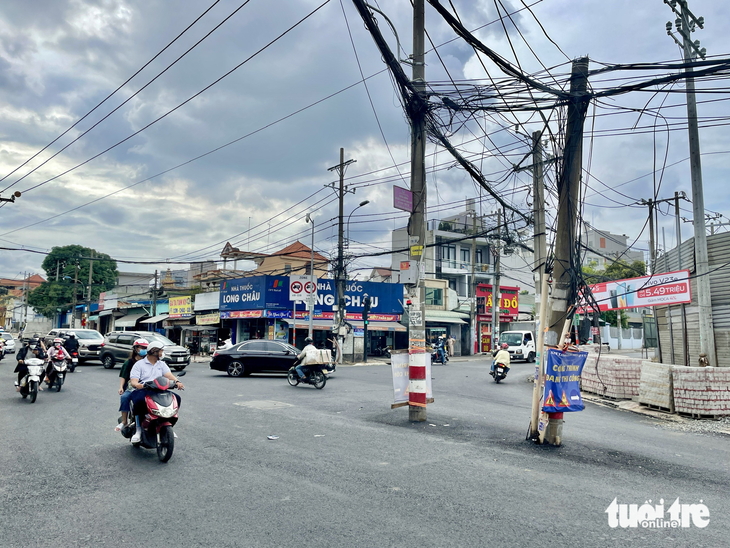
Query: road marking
263 404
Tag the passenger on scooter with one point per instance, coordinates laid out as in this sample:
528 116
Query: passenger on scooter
502 357
147 369
56 352
71 344
302 369
32 349
139 351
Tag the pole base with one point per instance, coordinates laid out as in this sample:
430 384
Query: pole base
416 414
554 432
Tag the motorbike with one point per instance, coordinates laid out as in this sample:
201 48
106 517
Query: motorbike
157 423
32 380
57 375
74 360
382 351
315 375
500 372
435 355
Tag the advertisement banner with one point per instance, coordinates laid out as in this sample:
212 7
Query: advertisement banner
562 381
208 319
238 314
656 290
399 361
180 307
509 302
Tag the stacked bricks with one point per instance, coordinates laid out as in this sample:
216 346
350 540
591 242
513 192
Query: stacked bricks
615 377
656 385
701 391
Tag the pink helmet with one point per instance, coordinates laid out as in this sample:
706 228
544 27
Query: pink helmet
505 346
141 343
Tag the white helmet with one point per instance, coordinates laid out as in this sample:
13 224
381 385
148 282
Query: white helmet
71 334
153 345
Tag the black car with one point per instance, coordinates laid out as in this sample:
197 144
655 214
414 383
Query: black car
253 357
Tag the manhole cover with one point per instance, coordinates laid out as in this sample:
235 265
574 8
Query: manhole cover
263 404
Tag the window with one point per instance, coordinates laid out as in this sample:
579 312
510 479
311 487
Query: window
112 338
287 269
308 269
448 256
434 296
256 346
603 243
465 255
125 339
479 256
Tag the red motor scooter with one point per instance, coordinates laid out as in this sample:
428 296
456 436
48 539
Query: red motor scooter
157 423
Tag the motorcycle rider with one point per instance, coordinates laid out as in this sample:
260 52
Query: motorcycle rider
149 368
302 369
32 349
56 352
441 350
139 351
502 356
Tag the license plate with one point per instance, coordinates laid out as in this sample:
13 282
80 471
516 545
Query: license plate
500 370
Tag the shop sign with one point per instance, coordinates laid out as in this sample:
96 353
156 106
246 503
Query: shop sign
243 294
180 307
242 314
509 303
208 319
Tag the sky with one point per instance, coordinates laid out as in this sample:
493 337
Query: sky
298 97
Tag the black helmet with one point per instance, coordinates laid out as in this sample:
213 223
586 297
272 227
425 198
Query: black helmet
308 340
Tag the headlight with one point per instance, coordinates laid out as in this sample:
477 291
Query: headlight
164 412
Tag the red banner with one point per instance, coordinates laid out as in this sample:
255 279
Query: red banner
509 303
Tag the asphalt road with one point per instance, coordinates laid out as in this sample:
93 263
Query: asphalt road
346 470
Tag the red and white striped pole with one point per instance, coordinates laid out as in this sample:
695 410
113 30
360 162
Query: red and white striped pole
417 356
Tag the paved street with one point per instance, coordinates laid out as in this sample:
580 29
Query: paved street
346 470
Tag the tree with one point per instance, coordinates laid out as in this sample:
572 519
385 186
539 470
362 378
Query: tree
60 265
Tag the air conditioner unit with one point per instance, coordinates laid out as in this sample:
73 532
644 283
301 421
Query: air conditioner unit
485 268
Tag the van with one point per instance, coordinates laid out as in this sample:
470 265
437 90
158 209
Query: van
521 344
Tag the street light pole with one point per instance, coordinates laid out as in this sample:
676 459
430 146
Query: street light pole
311 281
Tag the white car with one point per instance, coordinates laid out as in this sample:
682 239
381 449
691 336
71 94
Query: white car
9 342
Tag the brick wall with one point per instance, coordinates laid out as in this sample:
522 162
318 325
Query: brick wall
656 385
701 390
612 376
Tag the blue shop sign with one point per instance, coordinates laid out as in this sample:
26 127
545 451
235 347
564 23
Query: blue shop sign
243 294
385 298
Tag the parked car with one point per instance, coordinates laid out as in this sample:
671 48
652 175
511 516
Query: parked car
90 341
9 342
118 347
253 357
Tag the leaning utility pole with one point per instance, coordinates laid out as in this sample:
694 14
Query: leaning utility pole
564 293
686 23
154 297
473 289
91 274
678 228
340 274
417 227
73 306
495 286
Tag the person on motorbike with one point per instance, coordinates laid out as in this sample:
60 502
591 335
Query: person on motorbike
139 351
56 352
441 349
302 369
32 349
147 369
502 356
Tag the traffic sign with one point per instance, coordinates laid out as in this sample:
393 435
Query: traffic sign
300 286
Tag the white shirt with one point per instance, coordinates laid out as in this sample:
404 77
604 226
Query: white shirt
146 371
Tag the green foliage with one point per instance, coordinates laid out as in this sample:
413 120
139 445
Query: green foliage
54 296
445 226
610 317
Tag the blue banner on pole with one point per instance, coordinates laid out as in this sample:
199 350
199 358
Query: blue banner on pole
562 378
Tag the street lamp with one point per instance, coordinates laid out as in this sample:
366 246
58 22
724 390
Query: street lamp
311 281
363 203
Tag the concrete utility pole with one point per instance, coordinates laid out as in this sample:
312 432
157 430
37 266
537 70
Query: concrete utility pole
310 297
678 228
340 274
26 287
417 228
495 286
686 23
76 281
473 290
564 290
91 275
154 297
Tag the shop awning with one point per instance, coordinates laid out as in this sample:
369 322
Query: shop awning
106 312
130 320
155 319
93 318
198 327
320 325
446 316
379 326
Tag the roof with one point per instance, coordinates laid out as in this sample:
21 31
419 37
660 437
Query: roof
385 272
299 250
33 281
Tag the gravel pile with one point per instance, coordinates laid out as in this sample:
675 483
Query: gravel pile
699 426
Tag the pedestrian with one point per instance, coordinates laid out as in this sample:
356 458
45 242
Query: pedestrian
452 341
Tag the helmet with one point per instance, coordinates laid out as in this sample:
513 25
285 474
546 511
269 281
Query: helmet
36 335
71 334
154 345
505 346
57 340
141 342
308 340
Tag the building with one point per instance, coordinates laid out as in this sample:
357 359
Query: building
449 255
293 259
14 311
605 248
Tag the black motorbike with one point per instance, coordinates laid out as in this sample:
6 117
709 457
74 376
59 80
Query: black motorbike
314 375
435 355
500 372
57 376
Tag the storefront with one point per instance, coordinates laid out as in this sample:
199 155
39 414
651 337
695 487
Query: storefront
205 334
179 315
259 307
508 312
446 323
